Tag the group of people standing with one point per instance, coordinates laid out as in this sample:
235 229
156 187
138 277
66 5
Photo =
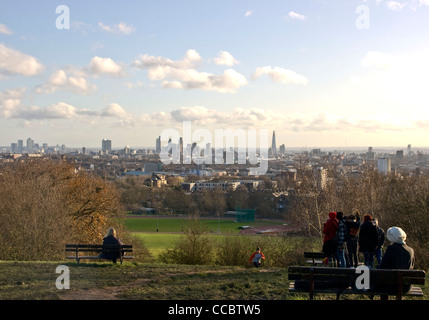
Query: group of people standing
346 236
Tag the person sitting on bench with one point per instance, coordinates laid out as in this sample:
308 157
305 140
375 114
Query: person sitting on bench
398 255
111 238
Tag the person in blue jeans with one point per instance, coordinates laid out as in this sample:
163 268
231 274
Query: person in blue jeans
341 240
368 240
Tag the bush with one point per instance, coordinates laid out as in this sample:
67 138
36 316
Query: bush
192 248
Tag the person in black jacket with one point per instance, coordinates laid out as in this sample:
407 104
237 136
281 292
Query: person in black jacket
381 237
398 255
352 237
111 238
368 240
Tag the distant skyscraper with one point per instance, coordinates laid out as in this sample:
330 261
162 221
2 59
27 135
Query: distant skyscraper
20 146
30 145
384 165
273 145
158 144
106 145
370 155
282 149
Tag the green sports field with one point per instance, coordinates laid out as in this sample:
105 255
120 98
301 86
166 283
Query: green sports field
170 229
171 225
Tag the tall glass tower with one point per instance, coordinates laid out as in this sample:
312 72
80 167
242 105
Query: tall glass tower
273 144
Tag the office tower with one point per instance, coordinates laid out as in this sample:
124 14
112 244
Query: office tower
282 149
14 147
273 145
20 146
30 145
106 145
370 155
158 145
409 150
384 165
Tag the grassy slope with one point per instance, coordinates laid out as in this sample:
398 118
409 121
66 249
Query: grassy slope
144 281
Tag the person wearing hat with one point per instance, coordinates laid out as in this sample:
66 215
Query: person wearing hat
398 255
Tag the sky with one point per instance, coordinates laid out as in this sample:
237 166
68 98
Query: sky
320 73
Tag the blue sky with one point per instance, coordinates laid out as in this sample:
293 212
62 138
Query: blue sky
128 70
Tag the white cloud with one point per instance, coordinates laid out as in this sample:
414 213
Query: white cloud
395 5
248 13
281 75
105 66
296 16
73 80
15 62
4 29
9 101
225 58
378 59
114 110
120 28
184 74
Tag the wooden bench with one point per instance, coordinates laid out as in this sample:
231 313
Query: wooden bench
121 250
316 258
339 281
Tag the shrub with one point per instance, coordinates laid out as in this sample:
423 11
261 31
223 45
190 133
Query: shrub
193 247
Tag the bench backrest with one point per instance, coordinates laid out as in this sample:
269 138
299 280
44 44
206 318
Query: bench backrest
383 276
98 247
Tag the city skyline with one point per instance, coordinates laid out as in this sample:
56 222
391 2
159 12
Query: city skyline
321 74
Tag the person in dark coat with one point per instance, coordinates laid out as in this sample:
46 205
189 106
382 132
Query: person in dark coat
111 238
352 237
381 237
398 255
368 240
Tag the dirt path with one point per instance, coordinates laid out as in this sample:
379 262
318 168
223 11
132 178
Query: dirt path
113 293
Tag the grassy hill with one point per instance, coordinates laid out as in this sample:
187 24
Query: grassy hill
145 281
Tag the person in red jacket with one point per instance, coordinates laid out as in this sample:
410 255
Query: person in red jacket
256 257
329 240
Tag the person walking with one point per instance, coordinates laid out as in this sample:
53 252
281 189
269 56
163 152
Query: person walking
256 258
330 229
352 237
341 240
368 240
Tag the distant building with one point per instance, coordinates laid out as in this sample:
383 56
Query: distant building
158 145
321 175
370 155
384 165
30 145
273 145
106 145
282 149
20 146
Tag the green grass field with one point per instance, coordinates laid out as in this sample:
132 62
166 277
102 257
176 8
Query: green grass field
170 229
213 225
